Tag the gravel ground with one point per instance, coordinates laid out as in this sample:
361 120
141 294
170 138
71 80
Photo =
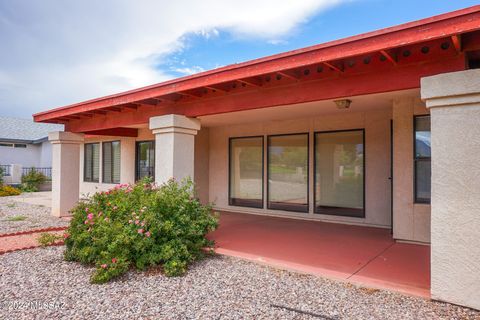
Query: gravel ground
35 216
215 288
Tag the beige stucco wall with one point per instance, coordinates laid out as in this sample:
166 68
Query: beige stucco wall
411 221
454 102
377 161
127 162
202 156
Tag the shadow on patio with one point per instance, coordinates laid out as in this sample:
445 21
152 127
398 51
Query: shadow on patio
363 255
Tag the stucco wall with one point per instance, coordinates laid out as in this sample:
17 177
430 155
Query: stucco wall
27 157
201 171
454 99
377 161
411 221
127 162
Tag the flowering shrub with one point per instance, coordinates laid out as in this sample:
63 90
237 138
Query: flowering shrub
140 225
6 191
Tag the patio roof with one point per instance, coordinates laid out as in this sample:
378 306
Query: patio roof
381 61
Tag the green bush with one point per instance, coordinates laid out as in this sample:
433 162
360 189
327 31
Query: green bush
32 180
1 176
140 225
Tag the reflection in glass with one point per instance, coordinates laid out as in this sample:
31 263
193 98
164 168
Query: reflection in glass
288 172
145 159
422 136
246 172
422 159
339 173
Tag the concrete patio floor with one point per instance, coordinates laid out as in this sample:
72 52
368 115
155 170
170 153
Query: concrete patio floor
361 255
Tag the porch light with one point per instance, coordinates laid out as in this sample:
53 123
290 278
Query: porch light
343 104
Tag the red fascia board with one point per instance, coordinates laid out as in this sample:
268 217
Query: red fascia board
436 27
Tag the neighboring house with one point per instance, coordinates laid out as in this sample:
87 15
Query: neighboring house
321 133
25 142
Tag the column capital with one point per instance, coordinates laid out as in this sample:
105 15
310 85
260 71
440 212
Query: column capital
174 123
451 89
58 137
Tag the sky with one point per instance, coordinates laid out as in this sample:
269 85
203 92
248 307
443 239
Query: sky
58 52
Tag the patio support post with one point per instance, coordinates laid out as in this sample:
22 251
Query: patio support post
454 103
174 146
65 171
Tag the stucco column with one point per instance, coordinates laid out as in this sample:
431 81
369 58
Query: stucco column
454 102
65 171
174 146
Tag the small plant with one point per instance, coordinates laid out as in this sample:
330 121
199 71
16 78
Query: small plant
32 180
17 218
48 239
6 191
141 226
11 205
2 173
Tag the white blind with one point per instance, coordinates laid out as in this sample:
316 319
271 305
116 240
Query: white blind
111 162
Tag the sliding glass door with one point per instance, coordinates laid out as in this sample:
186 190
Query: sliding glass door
246 172
288 172
145 160
339 173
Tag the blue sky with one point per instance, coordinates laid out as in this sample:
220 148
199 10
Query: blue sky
341 21
58 52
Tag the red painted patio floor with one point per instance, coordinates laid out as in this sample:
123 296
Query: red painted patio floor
362 255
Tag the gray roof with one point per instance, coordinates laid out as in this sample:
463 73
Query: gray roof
15 129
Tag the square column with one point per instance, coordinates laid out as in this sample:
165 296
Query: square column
454 102
174 146
65 171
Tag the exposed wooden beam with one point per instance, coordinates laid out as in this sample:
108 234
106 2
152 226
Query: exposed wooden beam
389 57
216 89
288 75
457 42
251 82
119 132
332 66
115 109
188 94
131 106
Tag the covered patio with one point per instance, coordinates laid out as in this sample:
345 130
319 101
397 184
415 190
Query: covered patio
362 255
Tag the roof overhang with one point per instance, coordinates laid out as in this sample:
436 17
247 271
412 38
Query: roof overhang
385 60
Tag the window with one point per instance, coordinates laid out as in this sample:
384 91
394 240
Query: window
145 164
422 160
339 173
246 172
91 162
288 172
8 145
111 162
20 145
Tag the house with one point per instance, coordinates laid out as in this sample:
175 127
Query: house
380 129
24 144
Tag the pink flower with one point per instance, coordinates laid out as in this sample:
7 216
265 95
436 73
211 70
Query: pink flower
100 213
106 219
130 221
90 216
140 231
143 223
86 209
142 210
147 234
104 266
114 260
86 222
137 222
66 235
115 208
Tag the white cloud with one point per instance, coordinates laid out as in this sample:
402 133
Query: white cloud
188 70
60 52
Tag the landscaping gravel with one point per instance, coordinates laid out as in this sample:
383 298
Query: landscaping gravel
215 288
19 216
